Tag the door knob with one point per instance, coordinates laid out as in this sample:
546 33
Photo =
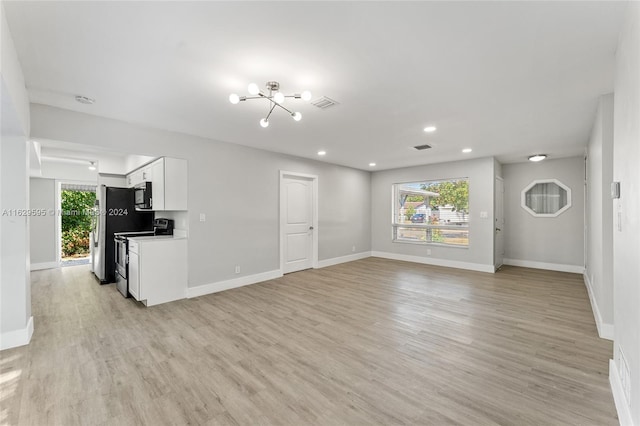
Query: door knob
498 229
311 228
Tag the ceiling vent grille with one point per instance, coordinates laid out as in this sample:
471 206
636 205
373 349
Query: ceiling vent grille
324 102
422 147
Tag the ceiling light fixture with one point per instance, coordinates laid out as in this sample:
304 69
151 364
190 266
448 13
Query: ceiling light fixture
92 166
467 150
275 97
430 129
321 153
372 164
537 157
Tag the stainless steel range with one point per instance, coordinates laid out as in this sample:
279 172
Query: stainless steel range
122 258
161 226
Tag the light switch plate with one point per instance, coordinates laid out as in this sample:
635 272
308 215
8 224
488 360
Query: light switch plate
484 215
202 217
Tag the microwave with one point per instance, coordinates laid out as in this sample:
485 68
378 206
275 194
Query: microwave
142 196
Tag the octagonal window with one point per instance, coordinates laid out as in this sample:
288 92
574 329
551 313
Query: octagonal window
546 198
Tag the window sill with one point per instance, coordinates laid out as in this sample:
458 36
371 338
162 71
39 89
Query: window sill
424 243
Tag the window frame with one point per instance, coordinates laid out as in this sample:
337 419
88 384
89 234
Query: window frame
395 195
523 198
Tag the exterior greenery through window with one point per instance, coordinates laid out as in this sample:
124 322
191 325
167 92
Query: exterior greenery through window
431 212
76 222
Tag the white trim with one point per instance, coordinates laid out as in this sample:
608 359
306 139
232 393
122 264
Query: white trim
605 331
437 262
314 183
44 265
343 259
15 338
575 269
623 409
201 290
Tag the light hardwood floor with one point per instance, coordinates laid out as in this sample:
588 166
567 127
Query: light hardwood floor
368 342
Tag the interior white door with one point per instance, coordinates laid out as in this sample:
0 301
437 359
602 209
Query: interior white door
298 223
499 225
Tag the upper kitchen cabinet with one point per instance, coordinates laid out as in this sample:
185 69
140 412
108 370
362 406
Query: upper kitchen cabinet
168 183
138 176
168 177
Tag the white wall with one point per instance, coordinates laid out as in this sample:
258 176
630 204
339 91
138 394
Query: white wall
626 239
16 93
237 189
555 243
599 217
16 324
68 172
479 254
42 195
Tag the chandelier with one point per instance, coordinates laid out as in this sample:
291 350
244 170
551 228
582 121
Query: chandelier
275 98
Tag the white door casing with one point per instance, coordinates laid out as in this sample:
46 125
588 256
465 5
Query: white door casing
298 221
499 223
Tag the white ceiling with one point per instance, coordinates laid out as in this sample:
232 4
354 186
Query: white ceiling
507 79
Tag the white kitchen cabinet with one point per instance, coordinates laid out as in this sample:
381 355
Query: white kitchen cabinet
139 176
157 269
169 184
168 177
134 275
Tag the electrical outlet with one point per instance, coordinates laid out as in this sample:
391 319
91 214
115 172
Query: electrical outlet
428 252
237 269
202 217
353 249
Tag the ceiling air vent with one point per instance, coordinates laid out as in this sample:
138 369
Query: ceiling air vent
324 102
422 147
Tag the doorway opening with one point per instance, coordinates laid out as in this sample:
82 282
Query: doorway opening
76 219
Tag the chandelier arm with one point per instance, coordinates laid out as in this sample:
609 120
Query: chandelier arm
280 105
270 111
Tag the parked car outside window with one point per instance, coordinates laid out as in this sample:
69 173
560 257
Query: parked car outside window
418 218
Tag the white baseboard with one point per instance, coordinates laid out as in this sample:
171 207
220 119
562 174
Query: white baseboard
343 259
44 265
605 330
575 269
434 261
624 411
201 290
15 338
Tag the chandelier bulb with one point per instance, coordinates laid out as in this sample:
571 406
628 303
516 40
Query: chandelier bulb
306 95
253 89
278 97
296 116
264 122
234 99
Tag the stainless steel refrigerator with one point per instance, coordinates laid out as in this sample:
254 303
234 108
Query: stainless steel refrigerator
114 212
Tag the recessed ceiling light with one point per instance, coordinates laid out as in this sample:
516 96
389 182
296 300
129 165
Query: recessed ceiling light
537 157
467 150
430 129
85 100
321 153
372 164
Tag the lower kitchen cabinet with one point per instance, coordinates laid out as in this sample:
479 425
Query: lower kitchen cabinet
157 269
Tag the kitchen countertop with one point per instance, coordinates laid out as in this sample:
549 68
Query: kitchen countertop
157 238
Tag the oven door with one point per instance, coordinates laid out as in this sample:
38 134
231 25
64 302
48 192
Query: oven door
121 256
